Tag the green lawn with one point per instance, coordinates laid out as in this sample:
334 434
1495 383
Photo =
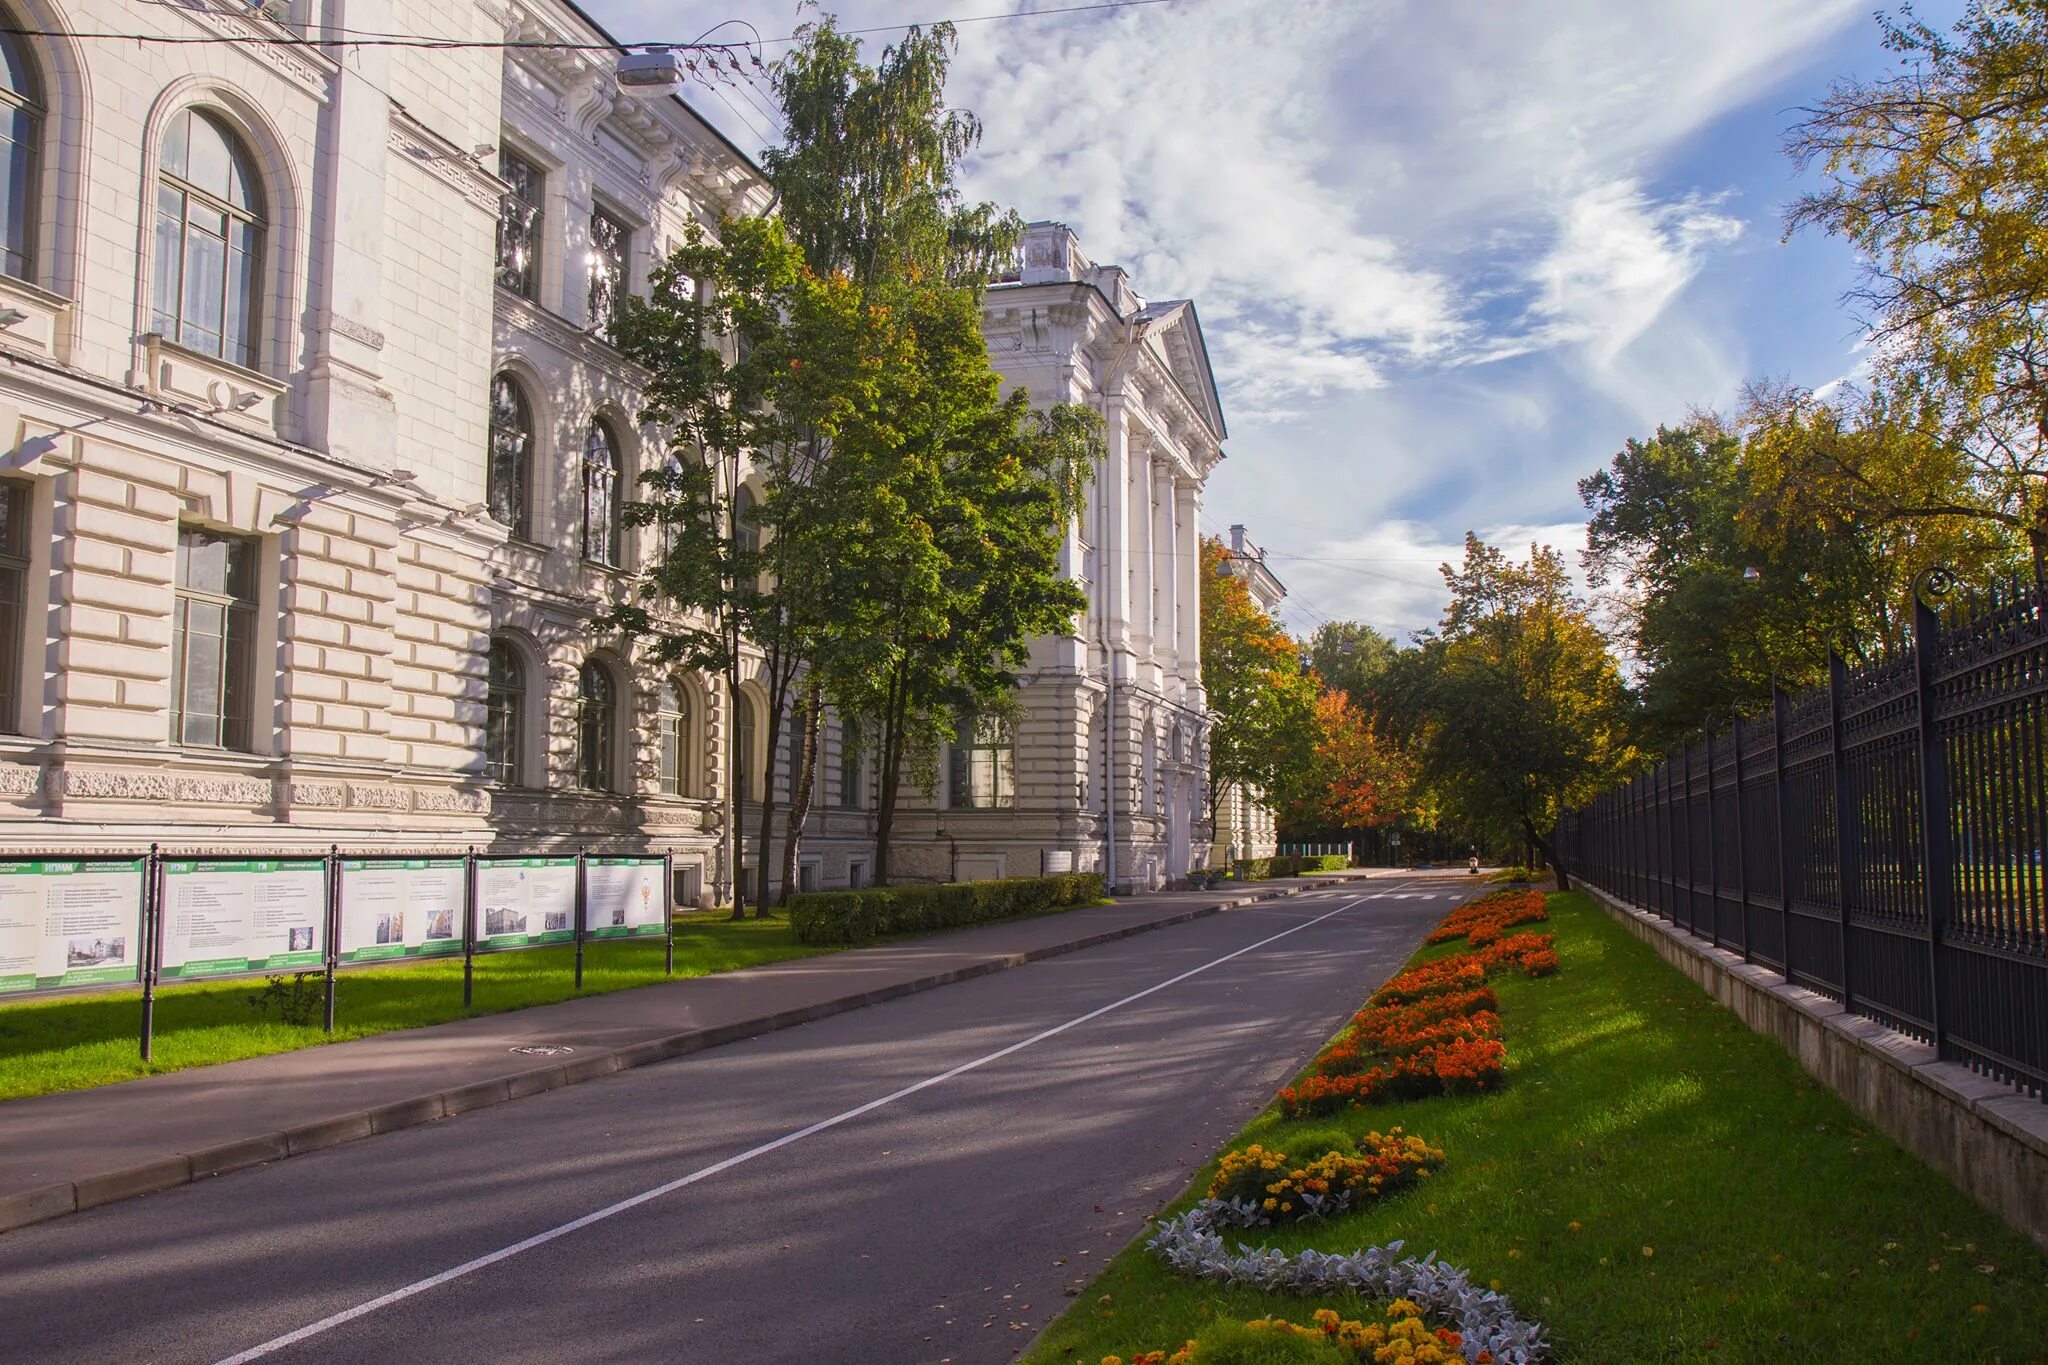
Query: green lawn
71 1042
1655 1182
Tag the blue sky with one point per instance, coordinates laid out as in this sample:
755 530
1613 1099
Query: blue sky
1447 256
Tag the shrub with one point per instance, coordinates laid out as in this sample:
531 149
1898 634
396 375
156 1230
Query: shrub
1519 874
1325 862
871 912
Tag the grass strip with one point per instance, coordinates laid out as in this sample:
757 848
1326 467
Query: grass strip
1654 1182
74 1042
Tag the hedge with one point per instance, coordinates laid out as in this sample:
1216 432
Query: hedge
1290 865
871 912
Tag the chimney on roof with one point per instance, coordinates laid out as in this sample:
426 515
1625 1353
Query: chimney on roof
1237 540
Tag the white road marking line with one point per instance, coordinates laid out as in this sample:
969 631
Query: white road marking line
470 1267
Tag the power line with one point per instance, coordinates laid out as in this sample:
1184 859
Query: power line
994 18
373 38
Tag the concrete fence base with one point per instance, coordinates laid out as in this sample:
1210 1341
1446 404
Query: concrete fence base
1991 1140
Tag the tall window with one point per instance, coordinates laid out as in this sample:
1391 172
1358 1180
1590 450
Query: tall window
600 496
672 730
746 532
209 240
211 640
13 588
609 239
595 714
743 749
851 788
21 137
511 454
519 224
504 713
984 766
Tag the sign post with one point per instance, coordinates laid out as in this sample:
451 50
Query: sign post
469 929
152 942
668 898
333 926
582 911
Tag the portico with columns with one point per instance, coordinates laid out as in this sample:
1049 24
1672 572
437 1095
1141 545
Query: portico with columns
1111 742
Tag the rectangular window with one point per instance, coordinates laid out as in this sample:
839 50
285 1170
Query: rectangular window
850 762
212 636
609 240
983 772
13 589
519 225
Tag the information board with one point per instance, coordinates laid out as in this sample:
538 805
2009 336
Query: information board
408 907
248 916
624 896
524 901
69 924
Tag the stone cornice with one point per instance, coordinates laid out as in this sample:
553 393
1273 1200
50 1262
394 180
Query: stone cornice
443 160
308 68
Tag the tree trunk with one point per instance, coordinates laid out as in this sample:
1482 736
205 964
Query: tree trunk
801 784
731 832
888 772
778 695
1543 846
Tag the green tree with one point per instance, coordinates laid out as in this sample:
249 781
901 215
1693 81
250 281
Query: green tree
953 497
1526 715
1262 704
1350 656
754 363
1939 177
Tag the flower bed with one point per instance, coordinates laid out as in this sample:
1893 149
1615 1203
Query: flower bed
1403 1337
1482 921
1268 1185
1485 1321
1433 1029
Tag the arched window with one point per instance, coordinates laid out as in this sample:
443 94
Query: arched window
511 454
21 139
672 731
595 712
743 750
504 713
209 239
600 496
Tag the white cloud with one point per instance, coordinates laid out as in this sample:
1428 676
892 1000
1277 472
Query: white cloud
1618 262
1390 577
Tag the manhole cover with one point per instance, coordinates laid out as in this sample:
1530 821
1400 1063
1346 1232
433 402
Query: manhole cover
542 1050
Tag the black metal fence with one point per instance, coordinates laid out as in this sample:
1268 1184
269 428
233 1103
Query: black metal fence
1880 841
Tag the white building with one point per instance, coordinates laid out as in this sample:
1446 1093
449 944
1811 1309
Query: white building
1245 826
315 449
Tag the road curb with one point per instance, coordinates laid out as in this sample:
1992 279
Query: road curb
46 1202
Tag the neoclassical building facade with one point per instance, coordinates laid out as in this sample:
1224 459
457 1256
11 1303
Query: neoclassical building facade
315 450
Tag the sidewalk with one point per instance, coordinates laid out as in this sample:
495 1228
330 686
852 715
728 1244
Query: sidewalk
79 1149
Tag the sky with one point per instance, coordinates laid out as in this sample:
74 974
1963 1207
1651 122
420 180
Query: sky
1447 256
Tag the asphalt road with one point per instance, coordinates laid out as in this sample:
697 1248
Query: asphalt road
938 1172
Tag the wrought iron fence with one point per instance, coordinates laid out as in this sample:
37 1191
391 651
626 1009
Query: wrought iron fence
1881 840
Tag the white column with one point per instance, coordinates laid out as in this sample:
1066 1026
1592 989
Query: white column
1113 554
1187 495
1141 519
1166 566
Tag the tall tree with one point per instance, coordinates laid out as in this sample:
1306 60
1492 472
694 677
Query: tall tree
1526 713
1261 701
1939 176
957 495
754 363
